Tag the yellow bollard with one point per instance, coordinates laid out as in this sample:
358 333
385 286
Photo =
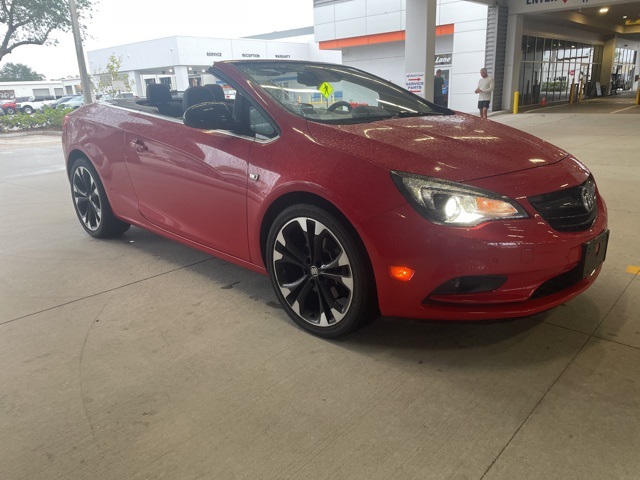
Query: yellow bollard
572 93
638 96
516 98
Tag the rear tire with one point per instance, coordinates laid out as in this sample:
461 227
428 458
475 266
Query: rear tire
320 272
27 110
91 203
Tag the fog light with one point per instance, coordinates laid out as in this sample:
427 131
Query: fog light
470 284
403 274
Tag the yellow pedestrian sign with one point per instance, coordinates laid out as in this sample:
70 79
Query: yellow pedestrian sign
325 89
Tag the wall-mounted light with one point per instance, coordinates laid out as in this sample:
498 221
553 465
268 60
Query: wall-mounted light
171 70
190 68
604 10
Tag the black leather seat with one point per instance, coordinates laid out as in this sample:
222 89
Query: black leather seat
159 96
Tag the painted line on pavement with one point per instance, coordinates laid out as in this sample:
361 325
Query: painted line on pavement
634 270
623 109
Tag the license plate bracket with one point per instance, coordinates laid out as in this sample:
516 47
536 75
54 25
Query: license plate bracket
594 253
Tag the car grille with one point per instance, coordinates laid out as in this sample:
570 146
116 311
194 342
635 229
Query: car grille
569 210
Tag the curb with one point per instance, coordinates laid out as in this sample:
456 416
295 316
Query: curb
53 133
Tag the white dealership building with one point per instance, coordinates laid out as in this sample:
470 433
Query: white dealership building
181 61
546 50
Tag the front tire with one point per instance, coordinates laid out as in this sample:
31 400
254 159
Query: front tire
320 272
27 110
91 203
10 111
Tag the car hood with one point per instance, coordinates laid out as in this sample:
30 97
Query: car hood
456 147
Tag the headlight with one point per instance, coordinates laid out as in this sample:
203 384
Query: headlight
452 203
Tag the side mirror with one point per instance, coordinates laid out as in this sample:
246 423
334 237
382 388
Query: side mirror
209 116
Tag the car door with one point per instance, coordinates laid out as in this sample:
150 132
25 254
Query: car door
190 182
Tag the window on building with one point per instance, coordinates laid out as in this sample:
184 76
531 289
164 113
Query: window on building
551 69
623 71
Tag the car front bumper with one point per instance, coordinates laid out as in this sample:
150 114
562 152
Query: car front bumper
539 268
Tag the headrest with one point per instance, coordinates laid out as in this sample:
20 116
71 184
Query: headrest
218 92
195 95
158 93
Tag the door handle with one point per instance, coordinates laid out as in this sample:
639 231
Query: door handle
139 146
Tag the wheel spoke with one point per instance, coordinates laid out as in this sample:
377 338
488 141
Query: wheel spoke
314 239
342 278
332 309
288 253
291 286
297 299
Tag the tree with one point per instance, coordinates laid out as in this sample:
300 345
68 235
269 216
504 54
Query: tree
31 22
110 81
18 72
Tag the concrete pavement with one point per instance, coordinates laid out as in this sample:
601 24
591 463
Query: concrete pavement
138 358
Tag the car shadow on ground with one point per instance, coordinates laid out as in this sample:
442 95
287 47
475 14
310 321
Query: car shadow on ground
403 337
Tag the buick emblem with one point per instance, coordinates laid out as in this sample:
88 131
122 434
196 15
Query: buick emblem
588 195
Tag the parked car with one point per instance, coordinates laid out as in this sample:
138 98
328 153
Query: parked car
9 107
34 103
55 103
396 206
72 103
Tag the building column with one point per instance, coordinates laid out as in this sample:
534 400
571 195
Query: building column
608 56
496 45
636 72
182 77
513 57
137 88
420 42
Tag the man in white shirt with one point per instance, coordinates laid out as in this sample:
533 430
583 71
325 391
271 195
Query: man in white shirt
484 91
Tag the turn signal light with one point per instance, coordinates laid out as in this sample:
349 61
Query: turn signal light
403 274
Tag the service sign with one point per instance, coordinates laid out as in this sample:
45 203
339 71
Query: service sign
414 82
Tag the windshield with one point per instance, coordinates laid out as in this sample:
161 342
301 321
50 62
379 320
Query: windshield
335 93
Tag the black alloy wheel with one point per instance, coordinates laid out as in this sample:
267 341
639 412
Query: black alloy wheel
91 203
319 272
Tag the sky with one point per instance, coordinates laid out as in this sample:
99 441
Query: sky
119 22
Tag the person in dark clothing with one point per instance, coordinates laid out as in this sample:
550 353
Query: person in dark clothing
438 84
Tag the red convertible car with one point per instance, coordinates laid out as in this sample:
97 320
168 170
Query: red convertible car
394 206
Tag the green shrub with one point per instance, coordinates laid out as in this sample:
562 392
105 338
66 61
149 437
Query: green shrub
557 86
51 119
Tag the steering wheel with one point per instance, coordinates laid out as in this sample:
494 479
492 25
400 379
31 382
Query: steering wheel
339 104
